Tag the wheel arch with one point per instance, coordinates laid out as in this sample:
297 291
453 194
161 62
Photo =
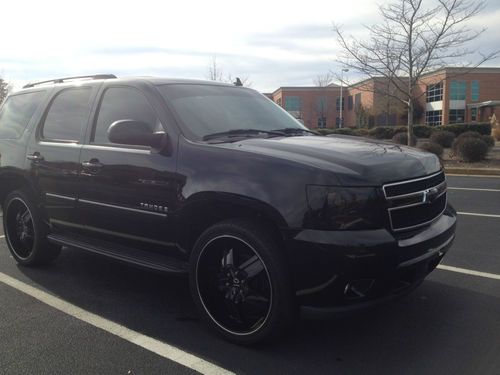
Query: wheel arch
206 209
12 179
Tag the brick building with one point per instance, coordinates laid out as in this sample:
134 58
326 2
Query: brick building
447 96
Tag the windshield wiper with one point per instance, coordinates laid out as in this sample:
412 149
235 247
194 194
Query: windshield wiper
294 131
243 133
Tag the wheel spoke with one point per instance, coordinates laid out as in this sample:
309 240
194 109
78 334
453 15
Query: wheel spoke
235 311
252 267
228 259
26 217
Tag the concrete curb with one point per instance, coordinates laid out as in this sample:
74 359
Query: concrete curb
473 171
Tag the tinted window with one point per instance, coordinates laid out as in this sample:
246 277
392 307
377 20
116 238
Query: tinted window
16 113
207 109
122 103
68 115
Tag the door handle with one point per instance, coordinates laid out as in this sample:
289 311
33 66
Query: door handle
34 156
92 163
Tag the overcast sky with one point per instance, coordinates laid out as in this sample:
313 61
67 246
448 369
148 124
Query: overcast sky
274 43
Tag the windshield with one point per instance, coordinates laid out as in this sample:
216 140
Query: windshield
209 109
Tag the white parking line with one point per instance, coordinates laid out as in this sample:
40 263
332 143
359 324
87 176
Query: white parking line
162 349
477 214
2 236
474 189
469 272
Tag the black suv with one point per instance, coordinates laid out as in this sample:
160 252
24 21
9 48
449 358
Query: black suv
217 182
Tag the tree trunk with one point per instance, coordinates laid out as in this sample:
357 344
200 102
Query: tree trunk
410 122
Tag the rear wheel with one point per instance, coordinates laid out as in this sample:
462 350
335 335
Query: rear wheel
239 282
25 231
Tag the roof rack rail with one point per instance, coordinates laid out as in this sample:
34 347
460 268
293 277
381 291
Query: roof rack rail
62 80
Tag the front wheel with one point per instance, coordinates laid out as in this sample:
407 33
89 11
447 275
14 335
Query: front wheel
240 283
25 231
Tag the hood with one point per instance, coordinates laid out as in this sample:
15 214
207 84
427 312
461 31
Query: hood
355 161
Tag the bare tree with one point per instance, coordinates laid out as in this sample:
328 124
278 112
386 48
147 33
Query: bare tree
216 73
214 70
323 80
411 41
4 89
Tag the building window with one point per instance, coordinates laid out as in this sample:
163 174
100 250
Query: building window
357 101
321 122
458 90
473 114
321 104
435 92
434 117
474 91
349 103
456 116
293 103
338 104
279 101
337 122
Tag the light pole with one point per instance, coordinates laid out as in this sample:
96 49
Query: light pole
341 122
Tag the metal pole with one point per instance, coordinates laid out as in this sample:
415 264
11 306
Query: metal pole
340 101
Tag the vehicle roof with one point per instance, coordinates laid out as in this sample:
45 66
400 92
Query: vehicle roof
126 80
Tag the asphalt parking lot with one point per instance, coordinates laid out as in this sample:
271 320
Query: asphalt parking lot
49 317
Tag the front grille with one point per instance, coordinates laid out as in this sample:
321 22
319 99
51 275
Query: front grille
415 203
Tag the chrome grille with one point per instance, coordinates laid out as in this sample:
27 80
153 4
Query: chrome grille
417 202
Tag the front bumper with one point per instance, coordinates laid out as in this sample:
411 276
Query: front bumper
335 271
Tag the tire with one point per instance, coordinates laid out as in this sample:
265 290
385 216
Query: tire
26 232
240 283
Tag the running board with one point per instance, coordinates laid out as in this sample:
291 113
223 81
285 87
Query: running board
140 258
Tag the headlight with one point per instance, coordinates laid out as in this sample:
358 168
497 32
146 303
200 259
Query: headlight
349 208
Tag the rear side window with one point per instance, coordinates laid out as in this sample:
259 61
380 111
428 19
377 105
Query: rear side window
67 116
123 103
17 112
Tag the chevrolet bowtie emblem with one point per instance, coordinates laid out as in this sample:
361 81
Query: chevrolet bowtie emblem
429 195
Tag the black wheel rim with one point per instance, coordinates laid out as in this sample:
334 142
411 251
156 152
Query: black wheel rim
234 285
20 230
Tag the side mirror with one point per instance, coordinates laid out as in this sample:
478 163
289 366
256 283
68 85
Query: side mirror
136 133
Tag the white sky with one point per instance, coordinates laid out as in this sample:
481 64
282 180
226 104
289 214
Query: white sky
274 43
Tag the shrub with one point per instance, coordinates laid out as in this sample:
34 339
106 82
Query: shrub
462 137
443 138
386 132
343 131
481 128
489 140
432 147
402 139
472 149
340 131
422 131
362 132
381 132
323 131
